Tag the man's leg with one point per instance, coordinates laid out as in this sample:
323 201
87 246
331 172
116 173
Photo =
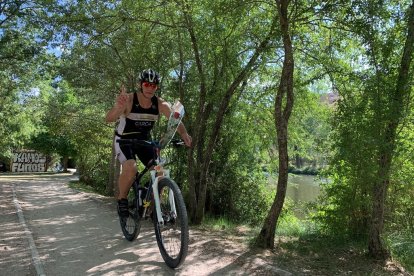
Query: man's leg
129 169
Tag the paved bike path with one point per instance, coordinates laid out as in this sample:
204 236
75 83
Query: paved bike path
76 233
15 258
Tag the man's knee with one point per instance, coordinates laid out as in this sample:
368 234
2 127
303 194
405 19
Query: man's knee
129 167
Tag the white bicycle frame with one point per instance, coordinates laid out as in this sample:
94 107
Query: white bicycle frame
155 180
174 121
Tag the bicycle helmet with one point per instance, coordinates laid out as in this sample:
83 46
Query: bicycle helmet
149 75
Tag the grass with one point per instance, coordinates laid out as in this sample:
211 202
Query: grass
219 223
300 250
291 226
317 255
401 245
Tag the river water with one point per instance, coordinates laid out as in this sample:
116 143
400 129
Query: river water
304 188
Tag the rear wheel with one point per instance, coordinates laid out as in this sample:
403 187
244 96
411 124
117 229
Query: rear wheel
173 236
131 225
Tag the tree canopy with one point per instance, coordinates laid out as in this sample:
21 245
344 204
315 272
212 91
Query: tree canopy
256 79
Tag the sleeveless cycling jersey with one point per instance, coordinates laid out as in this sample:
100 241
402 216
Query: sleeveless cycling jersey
140 121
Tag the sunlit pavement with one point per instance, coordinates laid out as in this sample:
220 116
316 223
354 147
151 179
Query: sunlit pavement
78 233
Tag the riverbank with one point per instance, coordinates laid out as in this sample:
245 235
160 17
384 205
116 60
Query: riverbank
306 254
298 249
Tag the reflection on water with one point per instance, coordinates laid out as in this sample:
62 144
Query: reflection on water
303 188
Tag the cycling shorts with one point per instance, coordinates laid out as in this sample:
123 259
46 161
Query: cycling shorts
126 152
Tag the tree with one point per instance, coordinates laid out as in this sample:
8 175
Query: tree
189 54
372 77
283 108
398 99
54 134
229 78
24 62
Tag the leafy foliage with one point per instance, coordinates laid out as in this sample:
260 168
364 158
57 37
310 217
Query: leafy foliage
362 125
62 64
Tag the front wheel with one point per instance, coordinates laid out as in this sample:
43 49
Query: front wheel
173 236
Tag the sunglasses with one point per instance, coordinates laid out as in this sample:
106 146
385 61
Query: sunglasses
149 84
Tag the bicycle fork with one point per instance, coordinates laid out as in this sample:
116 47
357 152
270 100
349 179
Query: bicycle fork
155 180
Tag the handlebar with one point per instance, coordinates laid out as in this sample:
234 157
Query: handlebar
177 143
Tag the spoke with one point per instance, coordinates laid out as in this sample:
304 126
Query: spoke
170 233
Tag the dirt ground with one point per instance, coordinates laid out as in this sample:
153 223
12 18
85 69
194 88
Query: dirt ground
61 231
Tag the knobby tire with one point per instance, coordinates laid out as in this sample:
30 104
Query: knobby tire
131 226
173 237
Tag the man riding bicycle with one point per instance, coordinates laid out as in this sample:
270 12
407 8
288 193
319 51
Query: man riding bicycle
137 114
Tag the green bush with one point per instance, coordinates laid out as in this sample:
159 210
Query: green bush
401 245
244 199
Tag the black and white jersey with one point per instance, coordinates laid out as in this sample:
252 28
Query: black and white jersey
140 121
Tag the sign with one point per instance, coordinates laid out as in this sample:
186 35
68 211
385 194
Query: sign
28 161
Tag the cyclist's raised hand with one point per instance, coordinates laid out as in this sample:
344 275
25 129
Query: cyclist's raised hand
120 106
122 99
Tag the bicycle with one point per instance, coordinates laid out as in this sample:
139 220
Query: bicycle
161 200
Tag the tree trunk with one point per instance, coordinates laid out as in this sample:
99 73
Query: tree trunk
267 234
375 245
398 101
114 169
284 98
65 162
